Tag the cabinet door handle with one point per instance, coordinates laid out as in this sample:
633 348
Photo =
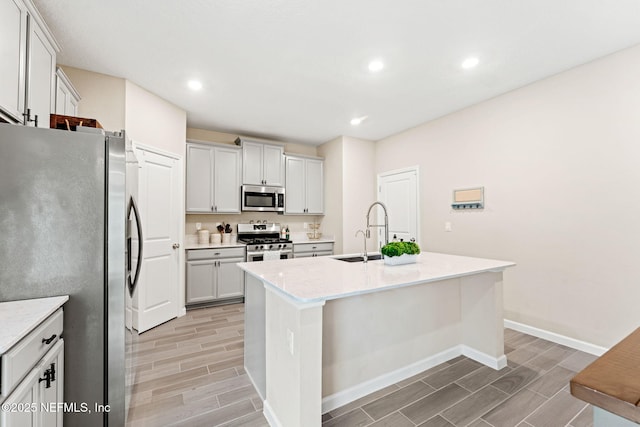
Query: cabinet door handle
52 370
47 378
49 340
212 207
175 245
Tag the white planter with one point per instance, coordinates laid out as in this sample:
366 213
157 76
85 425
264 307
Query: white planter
399 260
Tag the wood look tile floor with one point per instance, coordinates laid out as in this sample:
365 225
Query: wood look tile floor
191 374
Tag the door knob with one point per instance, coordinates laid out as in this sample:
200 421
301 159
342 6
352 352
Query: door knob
176 245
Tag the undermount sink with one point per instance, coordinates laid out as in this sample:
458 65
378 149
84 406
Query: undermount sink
360 258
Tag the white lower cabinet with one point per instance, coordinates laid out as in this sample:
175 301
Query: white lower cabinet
212 275
52 390
35 399
307 250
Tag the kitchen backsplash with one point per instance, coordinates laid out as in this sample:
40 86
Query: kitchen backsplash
294 222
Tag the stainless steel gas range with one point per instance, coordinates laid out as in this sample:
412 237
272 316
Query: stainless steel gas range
264 242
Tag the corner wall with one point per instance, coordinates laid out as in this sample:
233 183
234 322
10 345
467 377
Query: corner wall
358 192
153 121
559 163
333 194
102 97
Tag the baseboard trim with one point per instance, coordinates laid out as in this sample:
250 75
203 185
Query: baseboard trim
596 350
485 359
253 383
271 417
343 397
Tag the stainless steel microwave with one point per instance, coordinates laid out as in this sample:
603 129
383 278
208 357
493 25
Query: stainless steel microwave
262 199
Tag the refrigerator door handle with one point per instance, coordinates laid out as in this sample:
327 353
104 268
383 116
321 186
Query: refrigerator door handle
132 283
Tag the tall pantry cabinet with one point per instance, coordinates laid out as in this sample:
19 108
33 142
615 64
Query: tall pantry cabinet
28 65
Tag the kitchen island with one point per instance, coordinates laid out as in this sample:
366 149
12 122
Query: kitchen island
320 332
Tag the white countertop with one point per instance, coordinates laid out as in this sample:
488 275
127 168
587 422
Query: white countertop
190 246
326 278
191 242
300 241
18 318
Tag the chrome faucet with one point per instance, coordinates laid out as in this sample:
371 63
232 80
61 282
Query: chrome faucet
386 222
364 235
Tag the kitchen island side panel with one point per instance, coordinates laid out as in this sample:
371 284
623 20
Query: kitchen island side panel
367 336
254 336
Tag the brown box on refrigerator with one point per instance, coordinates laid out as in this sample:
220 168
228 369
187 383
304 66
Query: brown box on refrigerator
58 121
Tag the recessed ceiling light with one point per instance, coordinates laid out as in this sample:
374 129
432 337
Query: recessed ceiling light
194 85
376 65
470 62
357 120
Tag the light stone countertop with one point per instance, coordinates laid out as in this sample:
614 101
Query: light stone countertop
325 278
18 318
189 246
301 240
191 242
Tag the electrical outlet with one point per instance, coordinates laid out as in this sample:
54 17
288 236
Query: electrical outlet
305 225
198 226
447 226
290 340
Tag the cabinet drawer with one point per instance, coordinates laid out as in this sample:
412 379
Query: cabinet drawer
22 357
313 247
194 254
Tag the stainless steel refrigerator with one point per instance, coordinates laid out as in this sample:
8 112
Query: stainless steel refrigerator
64 216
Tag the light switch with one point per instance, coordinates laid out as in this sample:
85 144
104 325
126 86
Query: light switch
290 340
447 226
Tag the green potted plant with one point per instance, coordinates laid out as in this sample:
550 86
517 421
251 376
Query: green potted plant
396 253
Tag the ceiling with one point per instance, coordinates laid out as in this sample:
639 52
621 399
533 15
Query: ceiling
297 70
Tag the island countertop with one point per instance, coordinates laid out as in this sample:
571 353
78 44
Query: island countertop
325 278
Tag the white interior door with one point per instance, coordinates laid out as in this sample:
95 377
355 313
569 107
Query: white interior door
156 298
398 190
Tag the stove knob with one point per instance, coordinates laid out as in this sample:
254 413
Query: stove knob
270 246
261 247
279 246
256 248
284 246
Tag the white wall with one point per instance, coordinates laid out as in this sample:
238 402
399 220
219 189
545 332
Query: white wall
349 190
559 163
102 97
153 121
333 159
358 191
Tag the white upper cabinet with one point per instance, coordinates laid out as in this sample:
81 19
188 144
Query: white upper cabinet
314 186
226 179
263 164
199 178
213 179
304 190
273 165
13 45
67 97
27 69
